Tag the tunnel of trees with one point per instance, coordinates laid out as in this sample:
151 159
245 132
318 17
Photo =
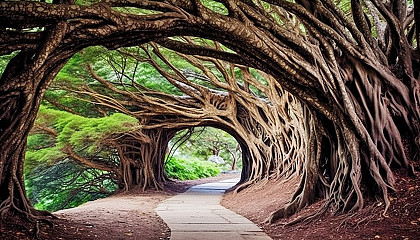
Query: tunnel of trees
140 147
326 90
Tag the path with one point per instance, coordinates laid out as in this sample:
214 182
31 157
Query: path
197 214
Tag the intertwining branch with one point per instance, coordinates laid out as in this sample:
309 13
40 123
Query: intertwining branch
353 65
258 113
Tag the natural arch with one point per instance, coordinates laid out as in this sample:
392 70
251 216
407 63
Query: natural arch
268 129
356 80
253 123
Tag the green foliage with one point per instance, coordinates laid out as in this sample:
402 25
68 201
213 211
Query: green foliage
4 60
215 6
74 72
52 180
45 156
207 142
74 75
183 169
66 185
134 10
87 2
116 67
82 131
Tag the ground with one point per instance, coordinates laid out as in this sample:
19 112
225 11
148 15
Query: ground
401 222
126 215
131 215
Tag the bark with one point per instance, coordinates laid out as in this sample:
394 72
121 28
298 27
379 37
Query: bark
363 93
142 159
21 88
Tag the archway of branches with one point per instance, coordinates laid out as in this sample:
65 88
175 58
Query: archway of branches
341 89
246 103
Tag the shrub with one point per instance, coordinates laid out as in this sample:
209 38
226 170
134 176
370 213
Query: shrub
190 169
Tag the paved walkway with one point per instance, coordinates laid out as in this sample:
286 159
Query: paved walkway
197 214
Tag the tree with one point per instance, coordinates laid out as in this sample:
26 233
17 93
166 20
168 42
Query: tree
91 144
354 65
262 125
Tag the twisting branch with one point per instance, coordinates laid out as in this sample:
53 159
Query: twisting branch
357 86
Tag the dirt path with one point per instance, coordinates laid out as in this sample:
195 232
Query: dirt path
119 217
126 215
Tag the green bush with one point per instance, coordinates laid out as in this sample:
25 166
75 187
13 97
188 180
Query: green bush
190 169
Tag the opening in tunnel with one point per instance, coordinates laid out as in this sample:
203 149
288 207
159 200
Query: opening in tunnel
206 150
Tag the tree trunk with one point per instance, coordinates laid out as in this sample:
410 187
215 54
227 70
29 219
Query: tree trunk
22 86
142 159
233 168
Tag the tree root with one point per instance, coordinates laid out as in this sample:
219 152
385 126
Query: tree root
24 211
307 218
373 209
30 221
243 186
284 212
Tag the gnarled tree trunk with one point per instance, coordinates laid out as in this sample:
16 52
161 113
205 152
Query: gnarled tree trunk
142 157
22 86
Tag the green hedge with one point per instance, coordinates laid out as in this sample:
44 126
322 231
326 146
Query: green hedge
190 169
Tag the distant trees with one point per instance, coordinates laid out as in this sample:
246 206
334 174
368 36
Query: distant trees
209 142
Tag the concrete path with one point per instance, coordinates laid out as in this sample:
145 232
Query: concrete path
197 214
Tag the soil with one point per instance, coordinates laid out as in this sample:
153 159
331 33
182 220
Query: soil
402 220
131 215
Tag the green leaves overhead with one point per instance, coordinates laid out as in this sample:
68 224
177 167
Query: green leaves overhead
52 179
54 129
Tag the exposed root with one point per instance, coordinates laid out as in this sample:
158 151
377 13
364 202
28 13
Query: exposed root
31 219
284 212
244 185
353 220
308 218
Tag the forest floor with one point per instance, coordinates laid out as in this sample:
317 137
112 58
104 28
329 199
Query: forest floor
402 220
131 215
